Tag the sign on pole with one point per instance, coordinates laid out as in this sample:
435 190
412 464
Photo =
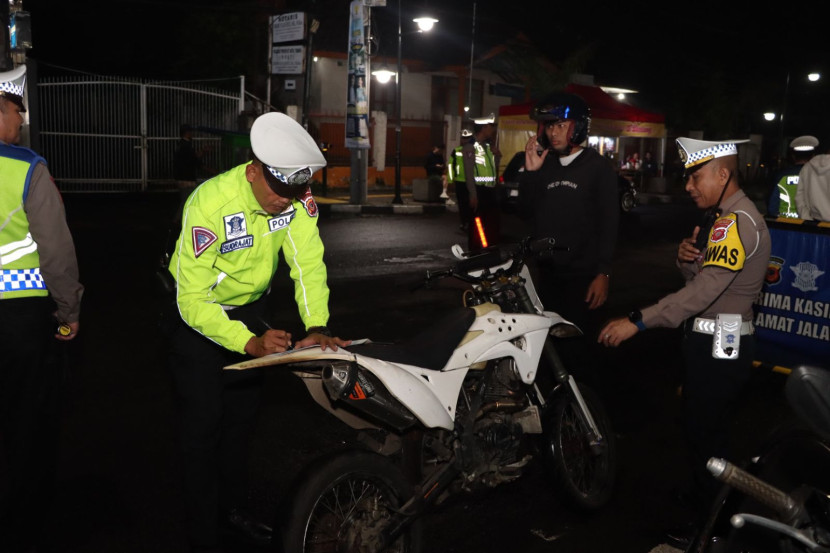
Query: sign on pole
287 60
288 27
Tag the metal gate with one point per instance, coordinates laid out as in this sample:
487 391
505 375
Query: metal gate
101 134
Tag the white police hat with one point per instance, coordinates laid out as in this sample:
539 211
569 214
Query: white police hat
804 143
12 84
285 148
486 120
697 152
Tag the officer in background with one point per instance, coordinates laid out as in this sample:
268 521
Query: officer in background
785 182
474 168
724 263
233 228
455 174
40 302
813 193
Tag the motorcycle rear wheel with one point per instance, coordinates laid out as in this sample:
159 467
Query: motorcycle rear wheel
628 201
582 476
343 504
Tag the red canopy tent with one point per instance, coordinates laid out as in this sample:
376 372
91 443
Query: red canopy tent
609 117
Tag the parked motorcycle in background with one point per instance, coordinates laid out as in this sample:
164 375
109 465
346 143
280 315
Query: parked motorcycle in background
466 404
779 503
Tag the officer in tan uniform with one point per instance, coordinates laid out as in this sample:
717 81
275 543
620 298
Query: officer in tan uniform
724 271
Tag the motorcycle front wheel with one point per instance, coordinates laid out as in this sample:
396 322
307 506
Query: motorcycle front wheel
343 504
582 473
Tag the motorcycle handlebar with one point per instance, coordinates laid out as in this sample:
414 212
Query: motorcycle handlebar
495 256
754 487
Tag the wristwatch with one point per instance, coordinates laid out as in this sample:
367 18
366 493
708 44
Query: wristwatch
636 317
324 330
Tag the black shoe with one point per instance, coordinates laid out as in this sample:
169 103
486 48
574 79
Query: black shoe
253 532
681 536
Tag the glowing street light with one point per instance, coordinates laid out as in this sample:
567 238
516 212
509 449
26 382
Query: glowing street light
425 23
383 75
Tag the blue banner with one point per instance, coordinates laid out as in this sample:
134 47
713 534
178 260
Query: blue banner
792 314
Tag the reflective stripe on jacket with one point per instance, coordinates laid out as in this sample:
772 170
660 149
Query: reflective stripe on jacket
19 258
485 165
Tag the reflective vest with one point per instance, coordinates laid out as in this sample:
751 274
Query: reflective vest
485 165
19 259
228 252
786 194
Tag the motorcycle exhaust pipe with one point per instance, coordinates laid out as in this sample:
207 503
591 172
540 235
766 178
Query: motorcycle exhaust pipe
361 390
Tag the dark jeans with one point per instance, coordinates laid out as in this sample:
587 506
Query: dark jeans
463 197
217 411
565 294
30 384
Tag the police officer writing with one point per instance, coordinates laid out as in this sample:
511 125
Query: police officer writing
724 263
40 301
233 228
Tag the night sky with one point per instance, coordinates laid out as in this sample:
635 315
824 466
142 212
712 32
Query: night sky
694 62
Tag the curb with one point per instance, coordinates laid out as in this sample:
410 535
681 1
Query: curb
330 209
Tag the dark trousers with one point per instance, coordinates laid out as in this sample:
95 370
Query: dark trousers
489 212
463 197
565 294
711 392
217 412
30 382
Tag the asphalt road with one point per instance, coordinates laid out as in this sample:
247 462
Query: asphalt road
119 485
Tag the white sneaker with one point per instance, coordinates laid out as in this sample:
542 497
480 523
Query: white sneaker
443 196
449 202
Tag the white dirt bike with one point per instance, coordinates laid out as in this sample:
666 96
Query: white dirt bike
466 404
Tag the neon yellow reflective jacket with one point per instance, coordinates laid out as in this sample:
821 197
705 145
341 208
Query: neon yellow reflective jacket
485 165
228 252
19 258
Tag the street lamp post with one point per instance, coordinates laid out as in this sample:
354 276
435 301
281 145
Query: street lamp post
424 24
812 77
398 199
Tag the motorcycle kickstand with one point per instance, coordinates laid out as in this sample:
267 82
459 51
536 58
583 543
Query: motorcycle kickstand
424 496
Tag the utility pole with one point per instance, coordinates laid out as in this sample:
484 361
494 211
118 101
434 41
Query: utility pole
17 39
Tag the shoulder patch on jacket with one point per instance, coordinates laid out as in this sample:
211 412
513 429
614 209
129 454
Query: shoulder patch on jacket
309 204
202 239
725 248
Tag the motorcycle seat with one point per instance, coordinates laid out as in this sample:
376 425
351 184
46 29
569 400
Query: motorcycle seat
430 348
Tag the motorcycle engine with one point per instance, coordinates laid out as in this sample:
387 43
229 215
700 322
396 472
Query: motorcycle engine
493 448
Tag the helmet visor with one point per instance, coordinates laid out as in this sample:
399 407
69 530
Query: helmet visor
552 113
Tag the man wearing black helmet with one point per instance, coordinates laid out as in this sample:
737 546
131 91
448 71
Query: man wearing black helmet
570 194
